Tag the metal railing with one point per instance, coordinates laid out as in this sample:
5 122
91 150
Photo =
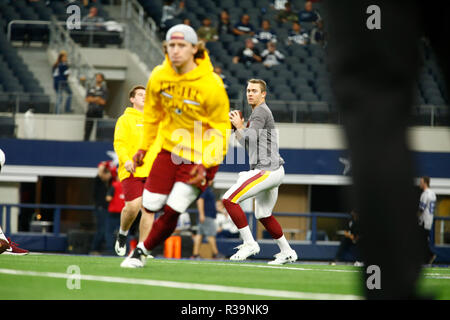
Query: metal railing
20 102
39 126
57 210
298 111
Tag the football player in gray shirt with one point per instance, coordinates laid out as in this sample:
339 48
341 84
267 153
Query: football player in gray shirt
261 182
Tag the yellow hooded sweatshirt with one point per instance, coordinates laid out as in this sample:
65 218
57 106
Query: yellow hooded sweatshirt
128 136
193 111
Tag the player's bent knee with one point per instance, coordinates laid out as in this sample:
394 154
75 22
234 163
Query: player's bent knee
182 196
133 206
260 214
153 202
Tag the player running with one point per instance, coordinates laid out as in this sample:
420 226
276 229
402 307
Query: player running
190 102
128 136
262 181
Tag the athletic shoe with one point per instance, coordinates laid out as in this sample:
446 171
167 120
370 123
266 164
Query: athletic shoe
121 245
245 250
136 260
358 264
3 245
14 249
284 257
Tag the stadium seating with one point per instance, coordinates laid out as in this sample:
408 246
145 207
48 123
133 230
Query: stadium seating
18 83
304 74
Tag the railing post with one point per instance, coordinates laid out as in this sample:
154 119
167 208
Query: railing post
56 221
8 219
313 228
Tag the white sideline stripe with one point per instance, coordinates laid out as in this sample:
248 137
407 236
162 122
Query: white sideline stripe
426 275
187 285
234 264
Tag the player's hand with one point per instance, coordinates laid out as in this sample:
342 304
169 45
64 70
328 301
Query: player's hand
198 176
236 118
129 166
138 158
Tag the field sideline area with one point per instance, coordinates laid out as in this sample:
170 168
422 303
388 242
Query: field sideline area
50 276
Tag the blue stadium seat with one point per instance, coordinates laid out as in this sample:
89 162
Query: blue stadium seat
320 112
40 103
300 111
280 111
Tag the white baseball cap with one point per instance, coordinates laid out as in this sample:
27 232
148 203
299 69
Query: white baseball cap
188 33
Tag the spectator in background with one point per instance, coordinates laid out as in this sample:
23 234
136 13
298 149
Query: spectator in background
96 97
102 182
187 22
278 4
427 206
317 34
92 20
206 205
265 34
116 199
308 14
226 82
224 26
170 11
244 27
287 15
61 72
207 32
249 54
297 35
225 226
271 56
350 239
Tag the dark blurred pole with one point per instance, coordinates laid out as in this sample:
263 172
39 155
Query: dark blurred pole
373 74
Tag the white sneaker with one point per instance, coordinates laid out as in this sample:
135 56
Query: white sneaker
245 250
284 257
121 245
135 260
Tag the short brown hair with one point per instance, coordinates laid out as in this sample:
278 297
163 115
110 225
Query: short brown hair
426 179
262 84
132 92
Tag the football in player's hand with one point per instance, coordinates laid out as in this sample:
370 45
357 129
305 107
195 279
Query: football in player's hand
240 115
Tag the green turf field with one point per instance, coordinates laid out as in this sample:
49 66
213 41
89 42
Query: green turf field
40 276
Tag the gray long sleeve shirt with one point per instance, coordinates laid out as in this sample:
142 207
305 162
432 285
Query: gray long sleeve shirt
260 139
